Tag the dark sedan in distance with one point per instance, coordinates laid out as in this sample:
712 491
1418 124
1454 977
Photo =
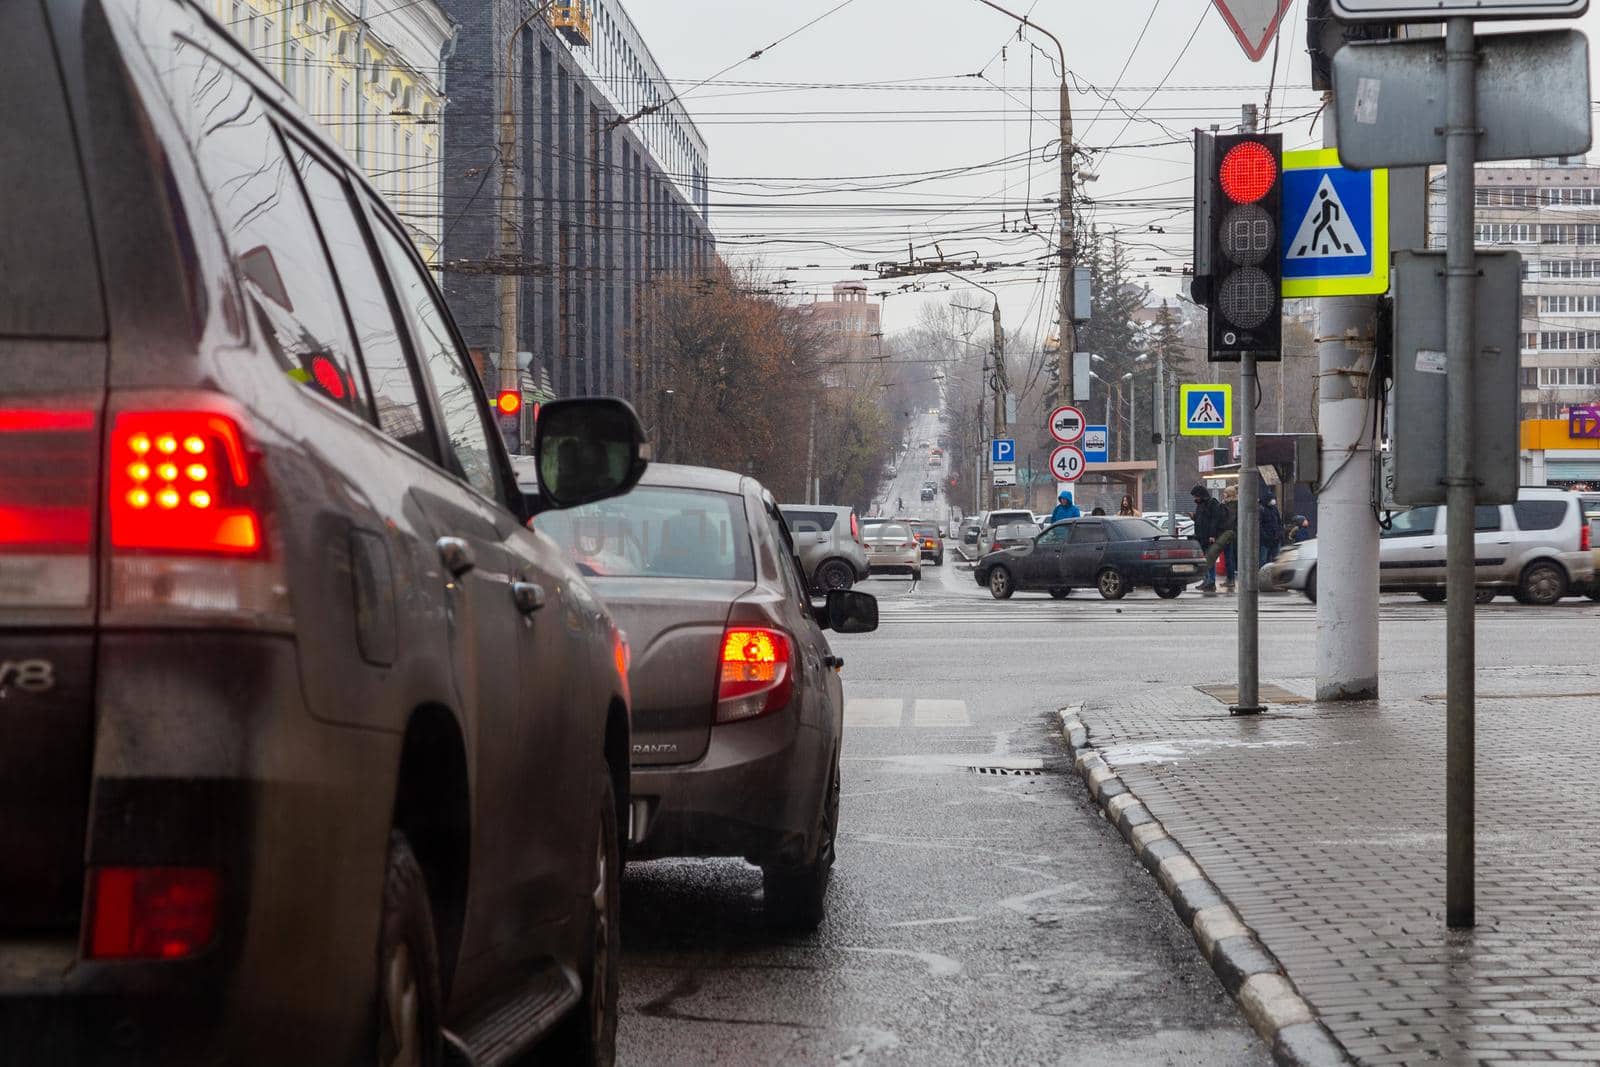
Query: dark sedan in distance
1112 554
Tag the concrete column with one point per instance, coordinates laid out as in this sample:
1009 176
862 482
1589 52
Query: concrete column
1347 531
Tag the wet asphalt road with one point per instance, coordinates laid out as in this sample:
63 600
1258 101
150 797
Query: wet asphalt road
974 917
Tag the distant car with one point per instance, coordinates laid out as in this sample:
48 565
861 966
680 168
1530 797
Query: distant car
737 707
934 461
1164 523
891 546
1538 549
928 493
968 536
828 538
990 521
1591 514
1112 554
939 452
930 539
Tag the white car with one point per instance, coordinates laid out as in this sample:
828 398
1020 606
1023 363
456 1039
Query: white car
892 546
1162 520
1538 550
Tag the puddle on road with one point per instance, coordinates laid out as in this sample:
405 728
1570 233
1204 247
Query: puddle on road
1171 751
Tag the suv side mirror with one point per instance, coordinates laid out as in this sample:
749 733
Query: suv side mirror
588 449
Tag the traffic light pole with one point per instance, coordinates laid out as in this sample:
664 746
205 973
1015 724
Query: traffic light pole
1248 539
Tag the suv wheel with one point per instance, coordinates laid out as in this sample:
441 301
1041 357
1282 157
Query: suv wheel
1169 592
1113 586
1542 583
1432 596
1000 585
589 1035
409 1000
835 574
797 899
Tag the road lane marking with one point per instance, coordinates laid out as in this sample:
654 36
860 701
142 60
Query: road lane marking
864 711
940 713
937 922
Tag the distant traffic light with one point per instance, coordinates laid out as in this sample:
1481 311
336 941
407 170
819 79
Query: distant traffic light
1238 271
509 402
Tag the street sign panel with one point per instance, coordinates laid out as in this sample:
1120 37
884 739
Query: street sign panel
1207 410
1004 473
1096 440
1439 10
1532 99
1002 450
1066 424
1421 373
1253 22
1067 463
1336 227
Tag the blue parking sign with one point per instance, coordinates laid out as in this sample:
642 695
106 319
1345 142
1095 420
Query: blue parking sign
1002 450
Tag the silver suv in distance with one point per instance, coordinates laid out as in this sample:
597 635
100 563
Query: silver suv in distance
311 751
828 538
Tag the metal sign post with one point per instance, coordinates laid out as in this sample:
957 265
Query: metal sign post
1460 268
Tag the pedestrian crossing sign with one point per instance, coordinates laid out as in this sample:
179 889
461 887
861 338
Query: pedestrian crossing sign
1335 227
1207 410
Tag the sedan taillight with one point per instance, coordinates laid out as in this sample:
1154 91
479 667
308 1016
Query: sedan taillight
755 675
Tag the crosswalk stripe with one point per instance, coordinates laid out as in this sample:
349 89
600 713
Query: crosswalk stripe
940 713
866 711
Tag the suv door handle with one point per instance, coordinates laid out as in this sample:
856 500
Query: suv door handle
456 555
528 596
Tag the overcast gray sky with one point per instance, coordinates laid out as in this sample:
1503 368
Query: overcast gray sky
943 94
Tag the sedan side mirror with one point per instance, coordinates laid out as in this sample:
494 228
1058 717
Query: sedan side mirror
850 612
588 449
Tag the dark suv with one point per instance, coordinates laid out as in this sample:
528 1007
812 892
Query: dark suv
310 752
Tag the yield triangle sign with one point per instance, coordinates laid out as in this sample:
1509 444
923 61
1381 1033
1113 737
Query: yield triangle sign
1253 22
1326 231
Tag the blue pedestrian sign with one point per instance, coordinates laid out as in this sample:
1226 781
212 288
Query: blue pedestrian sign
1095 443
1207 410
1002 450
1335 227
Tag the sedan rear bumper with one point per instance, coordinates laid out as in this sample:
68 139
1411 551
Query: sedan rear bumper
755 793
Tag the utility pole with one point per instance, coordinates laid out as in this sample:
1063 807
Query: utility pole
510 229
1000 426
1064 204
1347 534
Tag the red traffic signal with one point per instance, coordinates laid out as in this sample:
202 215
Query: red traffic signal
509 402
1239 193
1247 172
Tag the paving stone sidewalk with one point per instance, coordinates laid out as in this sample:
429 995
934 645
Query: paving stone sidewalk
1324 827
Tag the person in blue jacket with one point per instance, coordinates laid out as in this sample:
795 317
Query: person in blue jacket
1066 509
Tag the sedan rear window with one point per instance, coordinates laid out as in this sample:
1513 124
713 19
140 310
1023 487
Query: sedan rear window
657 532
1132 529
1539 514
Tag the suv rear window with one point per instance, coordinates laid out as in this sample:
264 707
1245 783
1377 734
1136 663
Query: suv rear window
47 254
809 521
1539 514
1006 518
657 532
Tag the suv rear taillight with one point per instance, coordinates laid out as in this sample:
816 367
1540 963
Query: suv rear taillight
755 675
162 913
855 527
187 504
1585 539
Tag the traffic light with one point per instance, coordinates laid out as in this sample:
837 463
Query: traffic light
509 402
1238 270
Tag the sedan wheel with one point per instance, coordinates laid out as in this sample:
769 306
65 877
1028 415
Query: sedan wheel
1311 586
1484 596
1112 585
1061 593
797 900
1000 585
1169 592
1432 596
835 574
1542 583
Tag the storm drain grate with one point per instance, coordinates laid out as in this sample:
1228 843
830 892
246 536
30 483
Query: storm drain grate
1023 772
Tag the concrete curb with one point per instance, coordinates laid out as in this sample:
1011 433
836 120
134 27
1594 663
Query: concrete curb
1250 973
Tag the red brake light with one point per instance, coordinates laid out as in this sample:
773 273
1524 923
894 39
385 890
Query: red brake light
178 482
855 527
152 912
509 402
754 673
1585 539
1247 172
46 480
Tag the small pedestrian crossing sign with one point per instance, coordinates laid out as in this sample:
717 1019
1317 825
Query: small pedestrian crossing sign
1207 410
1337 224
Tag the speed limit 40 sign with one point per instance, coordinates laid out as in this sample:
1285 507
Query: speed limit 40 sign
1067 463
